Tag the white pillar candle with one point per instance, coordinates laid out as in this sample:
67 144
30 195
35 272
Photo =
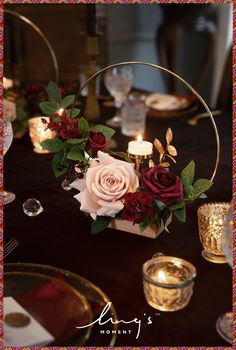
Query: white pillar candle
140 148
7 83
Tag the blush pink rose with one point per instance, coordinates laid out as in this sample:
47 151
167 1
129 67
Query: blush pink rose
104 186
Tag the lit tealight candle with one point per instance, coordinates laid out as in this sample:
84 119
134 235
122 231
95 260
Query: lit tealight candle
7 83
60 111
166 297
140 148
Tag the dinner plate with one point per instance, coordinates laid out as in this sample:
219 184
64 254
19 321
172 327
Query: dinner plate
33 285
165 106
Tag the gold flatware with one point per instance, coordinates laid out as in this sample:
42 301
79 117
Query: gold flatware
9 247
193 121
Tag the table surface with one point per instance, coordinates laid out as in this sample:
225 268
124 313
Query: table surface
113 260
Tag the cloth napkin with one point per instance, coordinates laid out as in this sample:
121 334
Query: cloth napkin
57 308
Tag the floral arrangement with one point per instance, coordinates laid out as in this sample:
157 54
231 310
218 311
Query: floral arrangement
24 102
109 186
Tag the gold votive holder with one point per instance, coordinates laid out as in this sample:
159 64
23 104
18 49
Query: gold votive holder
168 282
211 218
38 133
138 160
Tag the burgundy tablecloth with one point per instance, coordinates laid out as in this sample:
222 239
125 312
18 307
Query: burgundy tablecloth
60 236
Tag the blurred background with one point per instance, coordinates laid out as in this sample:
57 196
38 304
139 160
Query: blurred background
194 41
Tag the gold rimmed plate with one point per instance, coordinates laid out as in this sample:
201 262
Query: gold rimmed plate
76 300
179 106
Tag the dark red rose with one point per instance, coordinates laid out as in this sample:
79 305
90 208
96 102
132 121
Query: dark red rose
137 206
34 93
33 90
96 142
164 185
69 88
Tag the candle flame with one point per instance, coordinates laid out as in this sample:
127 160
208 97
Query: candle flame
139 138
7 83
60 111
161 276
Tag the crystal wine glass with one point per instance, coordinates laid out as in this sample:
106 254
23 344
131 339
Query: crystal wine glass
8 197
118 81
224 324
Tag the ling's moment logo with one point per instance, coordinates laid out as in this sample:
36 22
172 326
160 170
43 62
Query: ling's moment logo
101 320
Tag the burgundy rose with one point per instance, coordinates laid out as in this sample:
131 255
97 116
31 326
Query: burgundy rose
34 89
96 142
164 185
34 93
137 206
69 88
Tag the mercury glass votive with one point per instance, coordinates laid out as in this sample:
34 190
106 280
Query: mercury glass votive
38 133
211 218
168 282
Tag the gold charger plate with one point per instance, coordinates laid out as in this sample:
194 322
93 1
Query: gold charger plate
54 303
92 298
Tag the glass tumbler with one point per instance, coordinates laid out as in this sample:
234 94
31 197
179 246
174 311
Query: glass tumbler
168 282
38 133
133 116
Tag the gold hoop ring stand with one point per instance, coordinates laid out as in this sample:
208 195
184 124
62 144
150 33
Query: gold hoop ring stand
183 81
42 35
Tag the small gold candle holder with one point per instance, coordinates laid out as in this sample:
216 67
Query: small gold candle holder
138 160
38 133
210 223
168 282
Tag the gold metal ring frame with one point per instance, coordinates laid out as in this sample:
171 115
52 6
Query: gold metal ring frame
216 164
39 31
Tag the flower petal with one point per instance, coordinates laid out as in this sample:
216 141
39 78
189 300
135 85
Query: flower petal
79 184
117 205
106 159
91 173
88 204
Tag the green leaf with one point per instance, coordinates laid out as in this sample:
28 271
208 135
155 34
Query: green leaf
143 225
165 217
56 120
187 174
52 145
100 224
188 189
139 189
48 107
159 204
75 112
54 92
105 130
84 126
157 217
121 155
74 154
175 206
57 161
203 196
67 101
180 214
200 186
75 141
